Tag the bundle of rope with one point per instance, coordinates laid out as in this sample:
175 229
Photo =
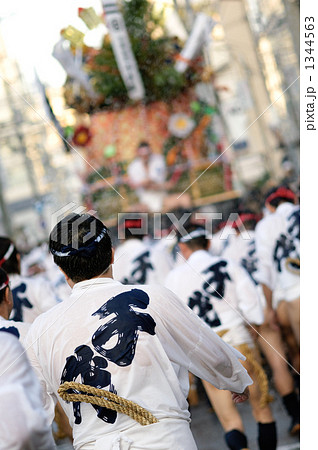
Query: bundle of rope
101 397
256 371
293 265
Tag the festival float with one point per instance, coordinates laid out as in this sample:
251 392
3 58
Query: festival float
142 85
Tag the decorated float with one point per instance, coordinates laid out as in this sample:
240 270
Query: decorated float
142 85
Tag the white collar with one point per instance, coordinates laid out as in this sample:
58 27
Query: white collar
284 207
199 255
94 282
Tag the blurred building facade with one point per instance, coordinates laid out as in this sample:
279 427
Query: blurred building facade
37 177
254 52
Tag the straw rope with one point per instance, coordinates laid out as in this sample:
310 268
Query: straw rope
95 396
258 374
257 371
293 265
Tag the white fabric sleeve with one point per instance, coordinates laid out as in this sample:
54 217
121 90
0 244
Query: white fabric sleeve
160 174
48 398
162 263
133 172
46 295
23 422
171 282
191 343
249 301
264 273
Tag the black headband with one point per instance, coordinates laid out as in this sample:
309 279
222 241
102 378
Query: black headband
199 232
86 250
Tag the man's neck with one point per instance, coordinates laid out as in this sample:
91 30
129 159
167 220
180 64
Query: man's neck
4 313
108 274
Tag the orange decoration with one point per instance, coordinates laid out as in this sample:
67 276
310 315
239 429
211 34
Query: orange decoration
127 127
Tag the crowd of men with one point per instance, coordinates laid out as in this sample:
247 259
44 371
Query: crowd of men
101 334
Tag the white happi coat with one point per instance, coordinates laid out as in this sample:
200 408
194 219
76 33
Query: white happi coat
139 343
20 329
220 240
241 249
137 263
220 292
162 258
276 238
156 171
23 422
31 297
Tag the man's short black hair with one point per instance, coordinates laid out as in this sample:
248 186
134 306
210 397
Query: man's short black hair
196 243
12 264
143 144
249 217
81 246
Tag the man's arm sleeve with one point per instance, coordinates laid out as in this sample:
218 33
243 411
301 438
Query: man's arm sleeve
48 398
249 301
264 273
192 344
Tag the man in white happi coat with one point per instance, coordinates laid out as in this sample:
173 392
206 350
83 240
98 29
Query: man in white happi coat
137 261
241 248
277 239
31 296
19 329
136 342
147 175
225 297
23 421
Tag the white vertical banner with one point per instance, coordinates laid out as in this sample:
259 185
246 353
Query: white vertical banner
122 49
199 35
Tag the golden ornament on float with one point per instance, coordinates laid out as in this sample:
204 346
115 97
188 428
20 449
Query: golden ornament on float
73 35
89 17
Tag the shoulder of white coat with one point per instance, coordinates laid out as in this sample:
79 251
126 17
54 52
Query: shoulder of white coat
158 157
231 265
163 301
134 163
178 271
263 224
9 344
156 292
48 318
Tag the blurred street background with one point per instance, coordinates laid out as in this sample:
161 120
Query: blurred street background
219 98
211 85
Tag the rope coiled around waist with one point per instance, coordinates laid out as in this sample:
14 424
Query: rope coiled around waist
95 396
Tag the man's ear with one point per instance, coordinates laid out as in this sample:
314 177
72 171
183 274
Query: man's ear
269 207
8 296
7 302
184 249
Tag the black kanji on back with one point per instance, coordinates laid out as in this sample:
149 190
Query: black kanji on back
125 326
